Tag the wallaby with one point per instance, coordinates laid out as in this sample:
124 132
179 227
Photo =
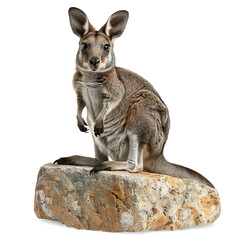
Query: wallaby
128 120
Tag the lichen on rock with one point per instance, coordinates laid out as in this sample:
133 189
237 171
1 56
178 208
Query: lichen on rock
118 201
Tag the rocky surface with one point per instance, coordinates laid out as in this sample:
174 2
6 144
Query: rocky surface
122 201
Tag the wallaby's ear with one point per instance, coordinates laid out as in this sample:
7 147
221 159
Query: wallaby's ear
79 22
116 24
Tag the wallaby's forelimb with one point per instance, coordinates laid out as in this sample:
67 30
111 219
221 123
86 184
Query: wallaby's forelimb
80 121
112 93
98 128
80 102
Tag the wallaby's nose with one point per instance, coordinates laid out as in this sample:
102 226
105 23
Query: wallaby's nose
94 61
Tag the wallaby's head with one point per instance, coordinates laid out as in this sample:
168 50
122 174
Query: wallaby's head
95 51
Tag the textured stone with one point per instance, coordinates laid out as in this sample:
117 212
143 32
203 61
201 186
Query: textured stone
122 201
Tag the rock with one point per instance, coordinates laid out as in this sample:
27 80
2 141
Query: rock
122 201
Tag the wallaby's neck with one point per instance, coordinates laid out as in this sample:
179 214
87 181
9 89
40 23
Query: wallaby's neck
91 76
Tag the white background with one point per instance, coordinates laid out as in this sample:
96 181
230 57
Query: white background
189 51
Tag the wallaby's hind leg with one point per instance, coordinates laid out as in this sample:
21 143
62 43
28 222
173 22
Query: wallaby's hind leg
130 165
135 156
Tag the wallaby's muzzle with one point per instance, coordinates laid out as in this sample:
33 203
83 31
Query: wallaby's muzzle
94 63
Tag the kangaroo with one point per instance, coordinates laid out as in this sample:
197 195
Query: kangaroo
127 118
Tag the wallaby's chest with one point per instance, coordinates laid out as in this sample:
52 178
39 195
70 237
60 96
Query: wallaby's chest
92 96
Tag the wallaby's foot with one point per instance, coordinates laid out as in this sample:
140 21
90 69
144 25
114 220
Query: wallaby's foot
115 166
63 161
98 128
100 167
77 161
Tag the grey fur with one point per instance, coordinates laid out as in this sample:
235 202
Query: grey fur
128 120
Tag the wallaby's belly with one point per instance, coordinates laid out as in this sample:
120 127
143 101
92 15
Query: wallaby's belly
112 143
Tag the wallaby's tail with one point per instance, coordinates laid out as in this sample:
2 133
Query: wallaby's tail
165 167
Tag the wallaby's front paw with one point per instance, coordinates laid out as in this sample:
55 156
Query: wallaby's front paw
98 128
82 127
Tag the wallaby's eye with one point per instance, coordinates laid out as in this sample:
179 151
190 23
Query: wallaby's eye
84 46
106 47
